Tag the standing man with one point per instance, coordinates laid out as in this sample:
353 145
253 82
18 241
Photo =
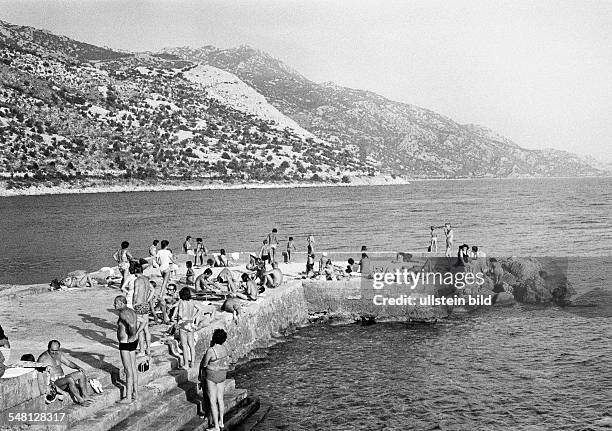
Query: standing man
273 241
142 299
127 335
165 259
448 232
74 383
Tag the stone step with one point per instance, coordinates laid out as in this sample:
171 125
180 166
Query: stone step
254 419
106 417
184 397
181 416
233 417
160 367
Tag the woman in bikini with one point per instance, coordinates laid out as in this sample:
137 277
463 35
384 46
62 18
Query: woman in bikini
123 259
213 372
186 316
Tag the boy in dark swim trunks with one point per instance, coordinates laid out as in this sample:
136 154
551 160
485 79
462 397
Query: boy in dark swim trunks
265 252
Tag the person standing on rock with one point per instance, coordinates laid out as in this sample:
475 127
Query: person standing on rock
212 376
273 241
448 232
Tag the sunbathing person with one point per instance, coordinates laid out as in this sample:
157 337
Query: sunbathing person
248 288
74 383
221 259
329 270
254 262
78 278
226 277
273 278
203 283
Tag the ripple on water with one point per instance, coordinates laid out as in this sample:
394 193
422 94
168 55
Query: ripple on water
519 369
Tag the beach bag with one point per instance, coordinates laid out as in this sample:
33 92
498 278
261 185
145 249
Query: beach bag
143 367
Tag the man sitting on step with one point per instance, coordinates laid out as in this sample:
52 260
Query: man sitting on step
74 383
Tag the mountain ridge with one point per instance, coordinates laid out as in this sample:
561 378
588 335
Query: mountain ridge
259 72
72 111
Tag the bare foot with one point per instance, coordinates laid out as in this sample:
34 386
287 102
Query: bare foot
125 401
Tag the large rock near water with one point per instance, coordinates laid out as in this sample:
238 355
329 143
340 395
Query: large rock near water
504 299
538 280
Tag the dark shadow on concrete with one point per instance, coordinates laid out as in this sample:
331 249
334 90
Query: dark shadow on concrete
93 335
96 360
102 323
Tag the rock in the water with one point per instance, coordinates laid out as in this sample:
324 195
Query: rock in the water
533 291
509 278
522 268
504 298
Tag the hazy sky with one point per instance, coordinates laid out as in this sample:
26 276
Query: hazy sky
538 72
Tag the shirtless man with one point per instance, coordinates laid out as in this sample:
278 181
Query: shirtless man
143 296
127 335
448 232
74 383
204 283
226 276
249 288
232 305
273 278
273 241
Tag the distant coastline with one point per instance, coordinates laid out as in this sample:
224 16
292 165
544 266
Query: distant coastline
173 185
132 186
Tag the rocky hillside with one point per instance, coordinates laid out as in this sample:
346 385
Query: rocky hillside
403 138
71 111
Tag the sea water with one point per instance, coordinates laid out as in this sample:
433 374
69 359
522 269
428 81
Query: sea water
520 368
44 237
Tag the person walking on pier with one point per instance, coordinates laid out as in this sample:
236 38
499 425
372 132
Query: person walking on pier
213 372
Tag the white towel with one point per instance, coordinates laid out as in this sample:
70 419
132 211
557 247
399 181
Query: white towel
235 256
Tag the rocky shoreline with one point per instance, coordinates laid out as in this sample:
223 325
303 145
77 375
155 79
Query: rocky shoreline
141 186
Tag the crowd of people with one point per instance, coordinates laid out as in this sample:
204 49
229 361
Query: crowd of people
176 301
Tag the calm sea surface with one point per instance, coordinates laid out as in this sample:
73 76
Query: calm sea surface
498 369
46 236
501 369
